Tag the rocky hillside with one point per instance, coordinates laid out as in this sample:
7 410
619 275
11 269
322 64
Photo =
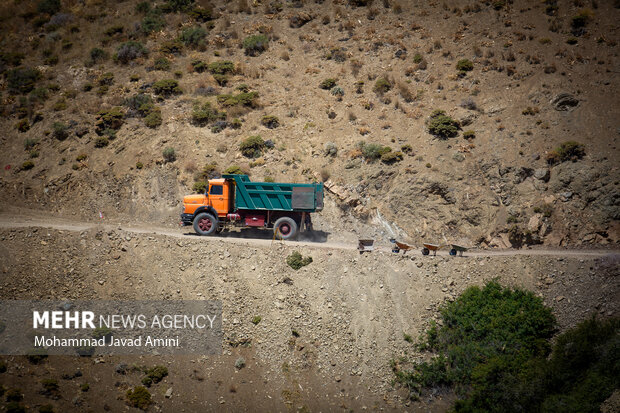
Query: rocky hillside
492 123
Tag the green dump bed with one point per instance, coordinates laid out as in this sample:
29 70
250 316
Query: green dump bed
276 196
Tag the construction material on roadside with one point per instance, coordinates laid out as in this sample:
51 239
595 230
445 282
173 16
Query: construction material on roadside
366 245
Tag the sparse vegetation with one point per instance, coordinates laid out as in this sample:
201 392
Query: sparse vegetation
27 165
464 65
256 319
567 151
296 260
247 99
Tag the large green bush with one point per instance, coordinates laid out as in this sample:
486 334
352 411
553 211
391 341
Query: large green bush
152 22
382 85
255 45
487 336
442 125
110 119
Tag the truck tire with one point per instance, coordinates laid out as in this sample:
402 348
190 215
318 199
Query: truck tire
205 224
285 228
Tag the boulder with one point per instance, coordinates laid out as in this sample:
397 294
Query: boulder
542 174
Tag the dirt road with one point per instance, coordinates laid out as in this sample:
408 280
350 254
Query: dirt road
263 238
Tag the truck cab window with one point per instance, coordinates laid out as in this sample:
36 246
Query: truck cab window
217 190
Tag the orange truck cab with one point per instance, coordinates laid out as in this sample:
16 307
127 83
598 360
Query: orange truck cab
234 200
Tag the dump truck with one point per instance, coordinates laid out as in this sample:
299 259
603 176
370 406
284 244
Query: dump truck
235 201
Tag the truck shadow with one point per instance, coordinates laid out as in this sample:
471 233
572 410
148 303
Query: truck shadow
253 233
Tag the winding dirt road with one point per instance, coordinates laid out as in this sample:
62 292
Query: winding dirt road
262 239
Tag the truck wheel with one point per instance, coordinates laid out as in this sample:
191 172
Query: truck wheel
285 228
205 224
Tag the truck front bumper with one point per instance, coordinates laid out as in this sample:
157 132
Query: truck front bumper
187 219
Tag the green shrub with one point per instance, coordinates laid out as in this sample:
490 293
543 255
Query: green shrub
221 68
464 65
391 157
101 141
255 45
152 22
487 335
177 5
382 85
46 408
193 36
138 101
15 407
112 30
174 47
106 79
200 186
129 51
23 125
200 14
139 397
85 387
112 119
337 91
442 125
417 58
469 134
242 99
49 6
153 119
270 122
169 154
59 105
161 64
373 151
581 19
296 261
167 87
50 385
39 94
256 319
143 7
252 147
60 131
198 66
567 151
97 55
221 80
27 165
139 165
327 84
22 79
205 114
233 169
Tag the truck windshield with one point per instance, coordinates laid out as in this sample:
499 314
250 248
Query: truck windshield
217 190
